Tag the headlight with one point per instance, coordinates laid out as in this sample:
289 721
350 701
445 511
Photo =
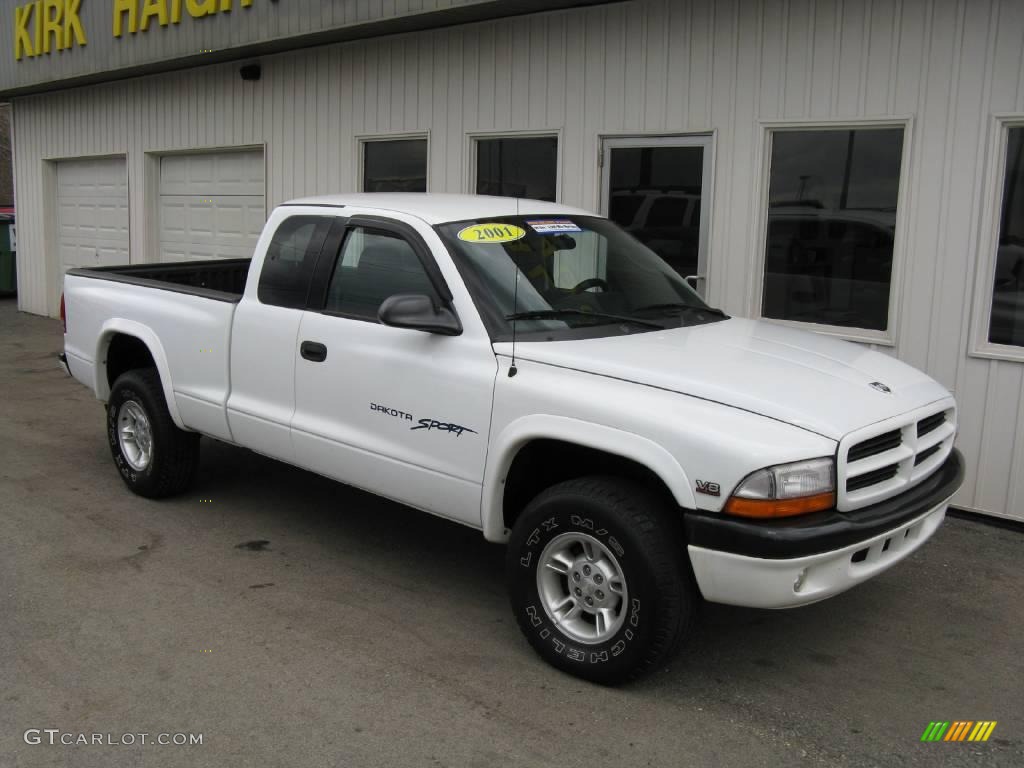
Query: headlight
785 490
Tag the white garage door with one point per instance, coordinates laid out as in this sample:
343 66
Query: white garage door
92 212
211 205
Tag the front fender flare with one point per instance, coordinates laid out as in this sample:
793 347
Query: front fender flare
507 444
118 325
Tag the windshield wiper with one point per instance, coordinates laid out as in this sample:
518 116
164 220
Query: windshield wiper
681 306
554 314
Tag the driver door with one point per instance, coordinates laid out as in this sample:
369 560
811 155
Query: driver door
399 412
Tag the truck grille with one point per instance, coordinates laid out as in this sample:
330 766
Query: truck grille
885 459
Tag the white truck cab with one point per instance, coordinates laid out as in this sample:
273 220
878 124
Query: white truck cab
530 370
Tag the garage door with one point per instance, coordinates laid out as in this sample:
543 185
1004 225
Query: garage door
211 205
92 212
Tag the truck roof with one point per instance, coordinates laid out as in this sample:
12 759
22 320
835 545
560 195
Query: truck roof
440 208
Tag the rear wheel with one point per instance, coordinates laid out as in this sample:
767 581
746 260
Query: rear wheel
597 579
154 457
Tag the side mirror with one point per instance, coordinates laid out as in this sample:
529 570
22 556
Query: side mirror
419 312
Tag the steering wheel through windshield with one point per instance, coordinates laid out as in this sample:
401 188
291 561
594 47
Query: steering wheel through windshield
590 282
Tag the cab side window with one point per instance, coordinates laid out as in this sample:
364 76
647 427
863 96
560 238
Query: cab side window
291 257
372 266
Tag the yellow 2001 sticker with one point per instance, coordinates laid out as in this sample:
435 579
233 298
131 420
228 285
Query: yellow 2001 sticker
491 233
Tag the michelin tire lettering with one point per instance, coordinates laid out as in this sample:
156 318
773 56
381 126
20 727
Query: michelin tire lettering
542 626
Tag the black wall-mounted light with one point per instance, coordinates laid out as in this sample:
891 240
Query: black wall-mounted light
250 71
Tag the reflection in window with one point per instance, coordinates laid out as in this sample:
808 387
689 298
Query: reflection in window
395 165
1006 325
655 195
520 167
831 224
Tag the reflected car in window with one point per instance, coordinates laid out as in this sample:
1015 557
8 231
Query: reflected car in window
667 222
827 266
1007 321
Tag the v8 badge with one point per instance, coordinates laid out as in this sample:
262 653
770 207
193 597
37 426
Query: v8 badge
708 488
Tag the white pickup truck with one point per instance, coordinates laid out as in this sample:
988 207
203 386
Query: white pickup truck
532 371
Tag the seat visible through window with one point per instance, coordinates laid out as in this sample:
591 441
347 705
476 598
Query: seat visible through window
373 266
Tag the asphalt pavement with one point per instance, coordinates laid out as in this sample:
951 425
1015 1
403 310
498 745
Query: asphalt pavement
292 621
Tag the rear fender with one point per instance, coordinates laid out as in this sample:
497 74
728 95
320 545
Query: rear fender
116 326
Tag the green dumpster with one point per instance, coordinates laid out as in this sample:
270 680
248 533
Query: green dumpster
8 268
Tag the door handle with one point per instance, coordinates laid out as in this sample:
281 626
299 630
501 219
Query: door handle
313 351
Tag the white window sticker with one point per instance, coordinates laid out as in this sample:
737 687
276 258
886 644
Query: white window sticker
551 226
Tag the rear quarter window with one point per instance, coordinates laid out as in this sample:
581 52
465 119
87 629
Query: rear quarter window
291 257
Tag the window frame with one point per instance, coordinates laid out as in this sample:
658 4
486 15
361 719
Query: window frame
759 235
360 148
474 137
336 239
988 241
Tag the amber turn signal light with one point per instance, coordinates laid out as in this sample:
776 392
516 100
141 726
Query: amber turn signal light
768 508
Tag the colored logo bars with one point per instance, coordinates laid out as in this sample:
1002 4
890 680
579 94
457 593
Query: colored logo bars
959 730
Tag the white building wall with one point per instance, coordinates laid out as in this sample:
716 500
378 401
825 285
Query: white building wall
649 66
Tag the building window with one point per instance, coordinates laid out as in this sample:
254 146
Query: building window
831 225
1006 320
395 165
518 167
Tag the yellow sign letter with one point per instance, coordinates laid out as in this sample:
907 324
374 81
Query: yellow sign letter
121 7
38 26
22 39
51 25
199 8
72 24
152 8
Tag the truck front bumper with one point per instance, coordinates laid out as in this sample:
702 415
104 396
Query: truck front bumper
795 561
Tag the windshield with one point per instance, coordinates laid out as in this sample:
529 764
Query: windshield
562 277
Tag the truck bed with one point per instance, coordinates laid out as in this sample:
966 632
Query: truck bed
221 279
183 311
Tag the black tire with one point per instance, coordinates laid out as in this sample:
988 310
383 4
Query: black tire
175 453
636 526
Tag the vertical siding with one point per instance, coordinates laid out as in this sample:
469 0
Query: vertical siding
646 67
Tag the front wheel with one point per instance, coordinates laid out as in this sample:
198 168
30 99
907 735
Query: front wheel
597 579
154 457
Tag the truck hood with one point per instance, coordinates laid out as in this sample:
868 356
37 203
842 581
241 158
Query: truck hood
810 380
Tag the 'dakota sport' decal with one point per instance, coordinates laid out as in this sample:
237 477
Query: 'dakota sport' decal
427 424
491 233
